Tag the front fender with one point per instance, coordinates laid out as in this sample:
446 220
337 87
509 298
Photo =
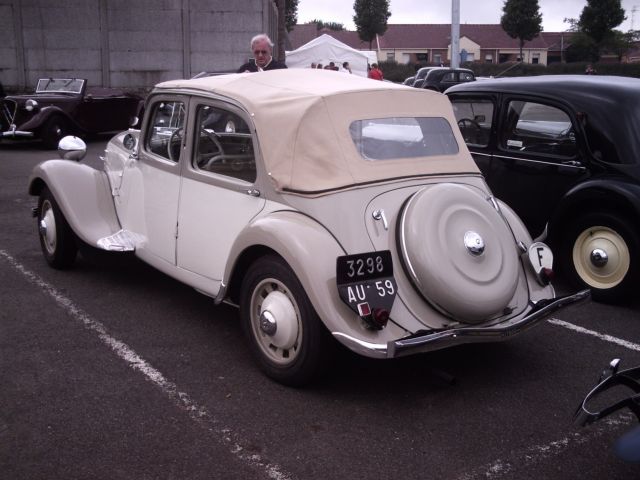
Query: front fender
311 251
83 194
41 117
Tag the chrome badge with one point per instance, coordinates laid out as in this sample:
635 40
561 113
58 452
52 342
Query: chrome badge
474 243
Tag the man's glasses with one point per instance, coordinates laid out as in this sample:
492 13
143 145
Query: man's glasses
260 52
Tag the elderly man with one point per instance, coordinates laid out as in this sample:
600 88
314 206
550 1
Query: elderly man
261 47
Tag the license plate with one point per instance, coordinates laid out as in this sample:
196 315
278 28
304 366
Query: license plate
365 281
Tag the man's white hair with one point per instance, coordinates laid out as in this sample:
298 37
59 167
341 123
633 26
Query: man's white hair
261 36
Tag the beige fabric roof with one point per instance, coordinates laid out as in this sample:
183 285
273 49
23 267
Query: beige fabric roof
302 117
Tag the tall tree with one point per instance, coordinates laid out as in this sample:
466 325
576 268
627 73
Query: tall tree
521 19
600 17
371 18
287 19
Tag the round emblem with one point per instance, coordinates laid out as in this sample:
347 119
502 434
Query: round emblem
474 243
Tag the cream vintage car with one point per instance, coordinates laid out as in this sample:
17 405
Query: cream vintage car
329 207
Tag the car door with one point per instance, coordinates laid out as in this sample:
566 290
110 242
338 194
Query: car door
147 200
219 195
449 79
538 157
475 115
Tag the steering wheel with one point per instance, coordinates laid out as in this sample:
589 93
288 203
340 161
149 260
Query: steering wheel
176 136
463 122
211 135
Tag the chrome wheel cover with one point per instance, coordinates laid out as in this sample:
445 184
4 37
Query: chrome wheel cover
47 228
601 257
275 321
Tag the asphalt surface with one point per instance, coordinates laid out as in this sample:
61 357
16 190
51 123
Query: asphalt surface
112 370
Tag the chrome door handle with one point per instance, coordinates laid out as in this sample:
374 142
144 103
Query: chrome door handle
254 192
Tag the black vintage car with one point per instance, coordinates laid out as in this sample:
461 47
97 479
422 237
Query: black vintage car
564 153
439 79
63 106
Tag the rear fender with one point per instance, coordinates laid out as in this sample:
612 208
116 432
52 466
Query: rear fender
311 252
83 194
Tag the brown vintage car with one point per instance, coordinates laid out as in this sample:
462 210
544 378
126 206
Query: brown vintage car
63 106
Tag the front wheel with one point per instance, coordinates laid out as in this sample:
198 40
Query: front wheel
601 251
285 334
57 240
54 129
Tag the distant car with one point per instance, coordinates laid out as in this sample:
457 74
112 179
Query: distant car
64 106
564 153
419 77
328 207
439 79
408 81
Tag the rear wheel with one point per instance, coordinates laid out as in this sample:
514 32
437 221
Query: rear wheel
601 251
52 132
57 240
285 334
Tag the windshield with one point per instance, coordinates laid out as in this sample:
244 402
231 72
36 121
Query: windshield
72 85
403 137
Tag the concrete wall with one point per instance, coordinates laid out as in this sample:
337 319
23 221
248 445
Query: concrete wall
127 43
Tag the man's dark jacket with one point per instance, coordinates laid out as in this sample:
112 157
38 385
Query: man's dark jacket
252 67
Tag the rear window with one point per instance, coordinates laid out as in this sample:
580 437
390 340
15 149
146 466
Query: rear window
403 137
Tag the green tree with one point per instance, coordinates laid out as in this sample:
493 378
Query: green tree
582 48
371 18
599 18
335 26
287 19
521 19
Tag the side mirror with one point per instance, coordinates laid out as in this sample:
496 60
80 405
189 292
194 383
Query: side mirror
72 148
130 142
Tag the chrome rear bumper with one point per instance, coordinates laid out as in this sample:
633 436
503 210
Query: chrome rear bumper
426 342
13 133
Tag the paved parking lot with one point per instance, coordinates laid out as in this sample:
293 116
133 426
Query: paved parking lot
113 370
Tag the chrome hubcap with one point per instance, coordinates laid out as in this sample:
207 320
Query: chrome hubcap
599 257
275 321
47 228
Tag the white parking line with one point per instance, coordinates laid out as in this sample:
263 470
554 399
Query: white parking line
538 453
181 399
601 336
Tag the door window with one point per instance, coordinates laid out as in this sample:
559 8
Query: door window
223 144
475 119
538 128
166 130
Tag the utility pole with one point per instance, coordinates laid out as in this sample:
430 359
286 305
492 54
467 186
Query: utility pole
455 33
633 15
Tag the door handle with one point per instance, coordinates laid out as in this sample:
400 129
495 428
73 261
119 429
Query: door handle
254 192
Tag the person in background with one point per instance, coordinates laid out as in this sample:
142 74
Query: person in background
590 70
345 66
262 48
313 65
319 66
375 73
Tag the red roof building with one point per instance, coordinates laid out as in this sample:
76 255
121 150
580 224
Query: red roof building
431 43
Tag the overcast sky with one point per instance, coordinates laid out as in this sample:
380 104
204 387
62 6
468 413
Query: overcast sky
471 11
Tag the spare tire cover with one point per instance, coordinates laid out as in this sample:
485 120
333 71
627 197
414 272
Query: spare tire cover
442 230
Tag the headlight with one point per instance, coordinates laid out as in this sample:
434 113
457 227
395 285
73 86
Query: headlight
30 105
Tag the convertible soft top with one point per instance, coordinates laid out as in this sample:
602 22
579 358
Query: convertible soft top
303 116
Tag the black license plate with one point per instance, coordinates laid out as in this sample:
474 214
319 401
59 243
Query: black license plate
365 281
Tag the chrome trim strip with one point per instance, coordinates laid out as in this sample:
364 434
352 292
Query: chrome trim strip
222 292
553 164
437 340
368 349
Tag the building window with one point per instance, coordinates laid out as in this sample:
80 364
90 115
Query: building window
422 57
406 58
488 58
536 58
437 58
391 57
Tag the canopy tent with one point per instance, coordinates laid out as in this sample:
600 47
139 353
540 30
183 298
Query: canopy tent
325 49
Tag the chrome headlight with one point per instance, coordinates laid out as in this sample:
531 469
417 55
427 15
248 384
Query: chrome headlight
30 105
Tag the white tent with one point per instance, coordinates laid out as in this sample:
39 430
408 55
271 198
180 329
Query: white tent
325 49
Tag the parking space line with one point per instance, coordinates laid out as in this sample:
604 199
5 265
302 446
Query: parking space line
180 399
536 454
601 336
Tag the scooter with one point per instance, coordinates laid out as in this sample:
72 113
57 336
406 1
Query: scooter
626 447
